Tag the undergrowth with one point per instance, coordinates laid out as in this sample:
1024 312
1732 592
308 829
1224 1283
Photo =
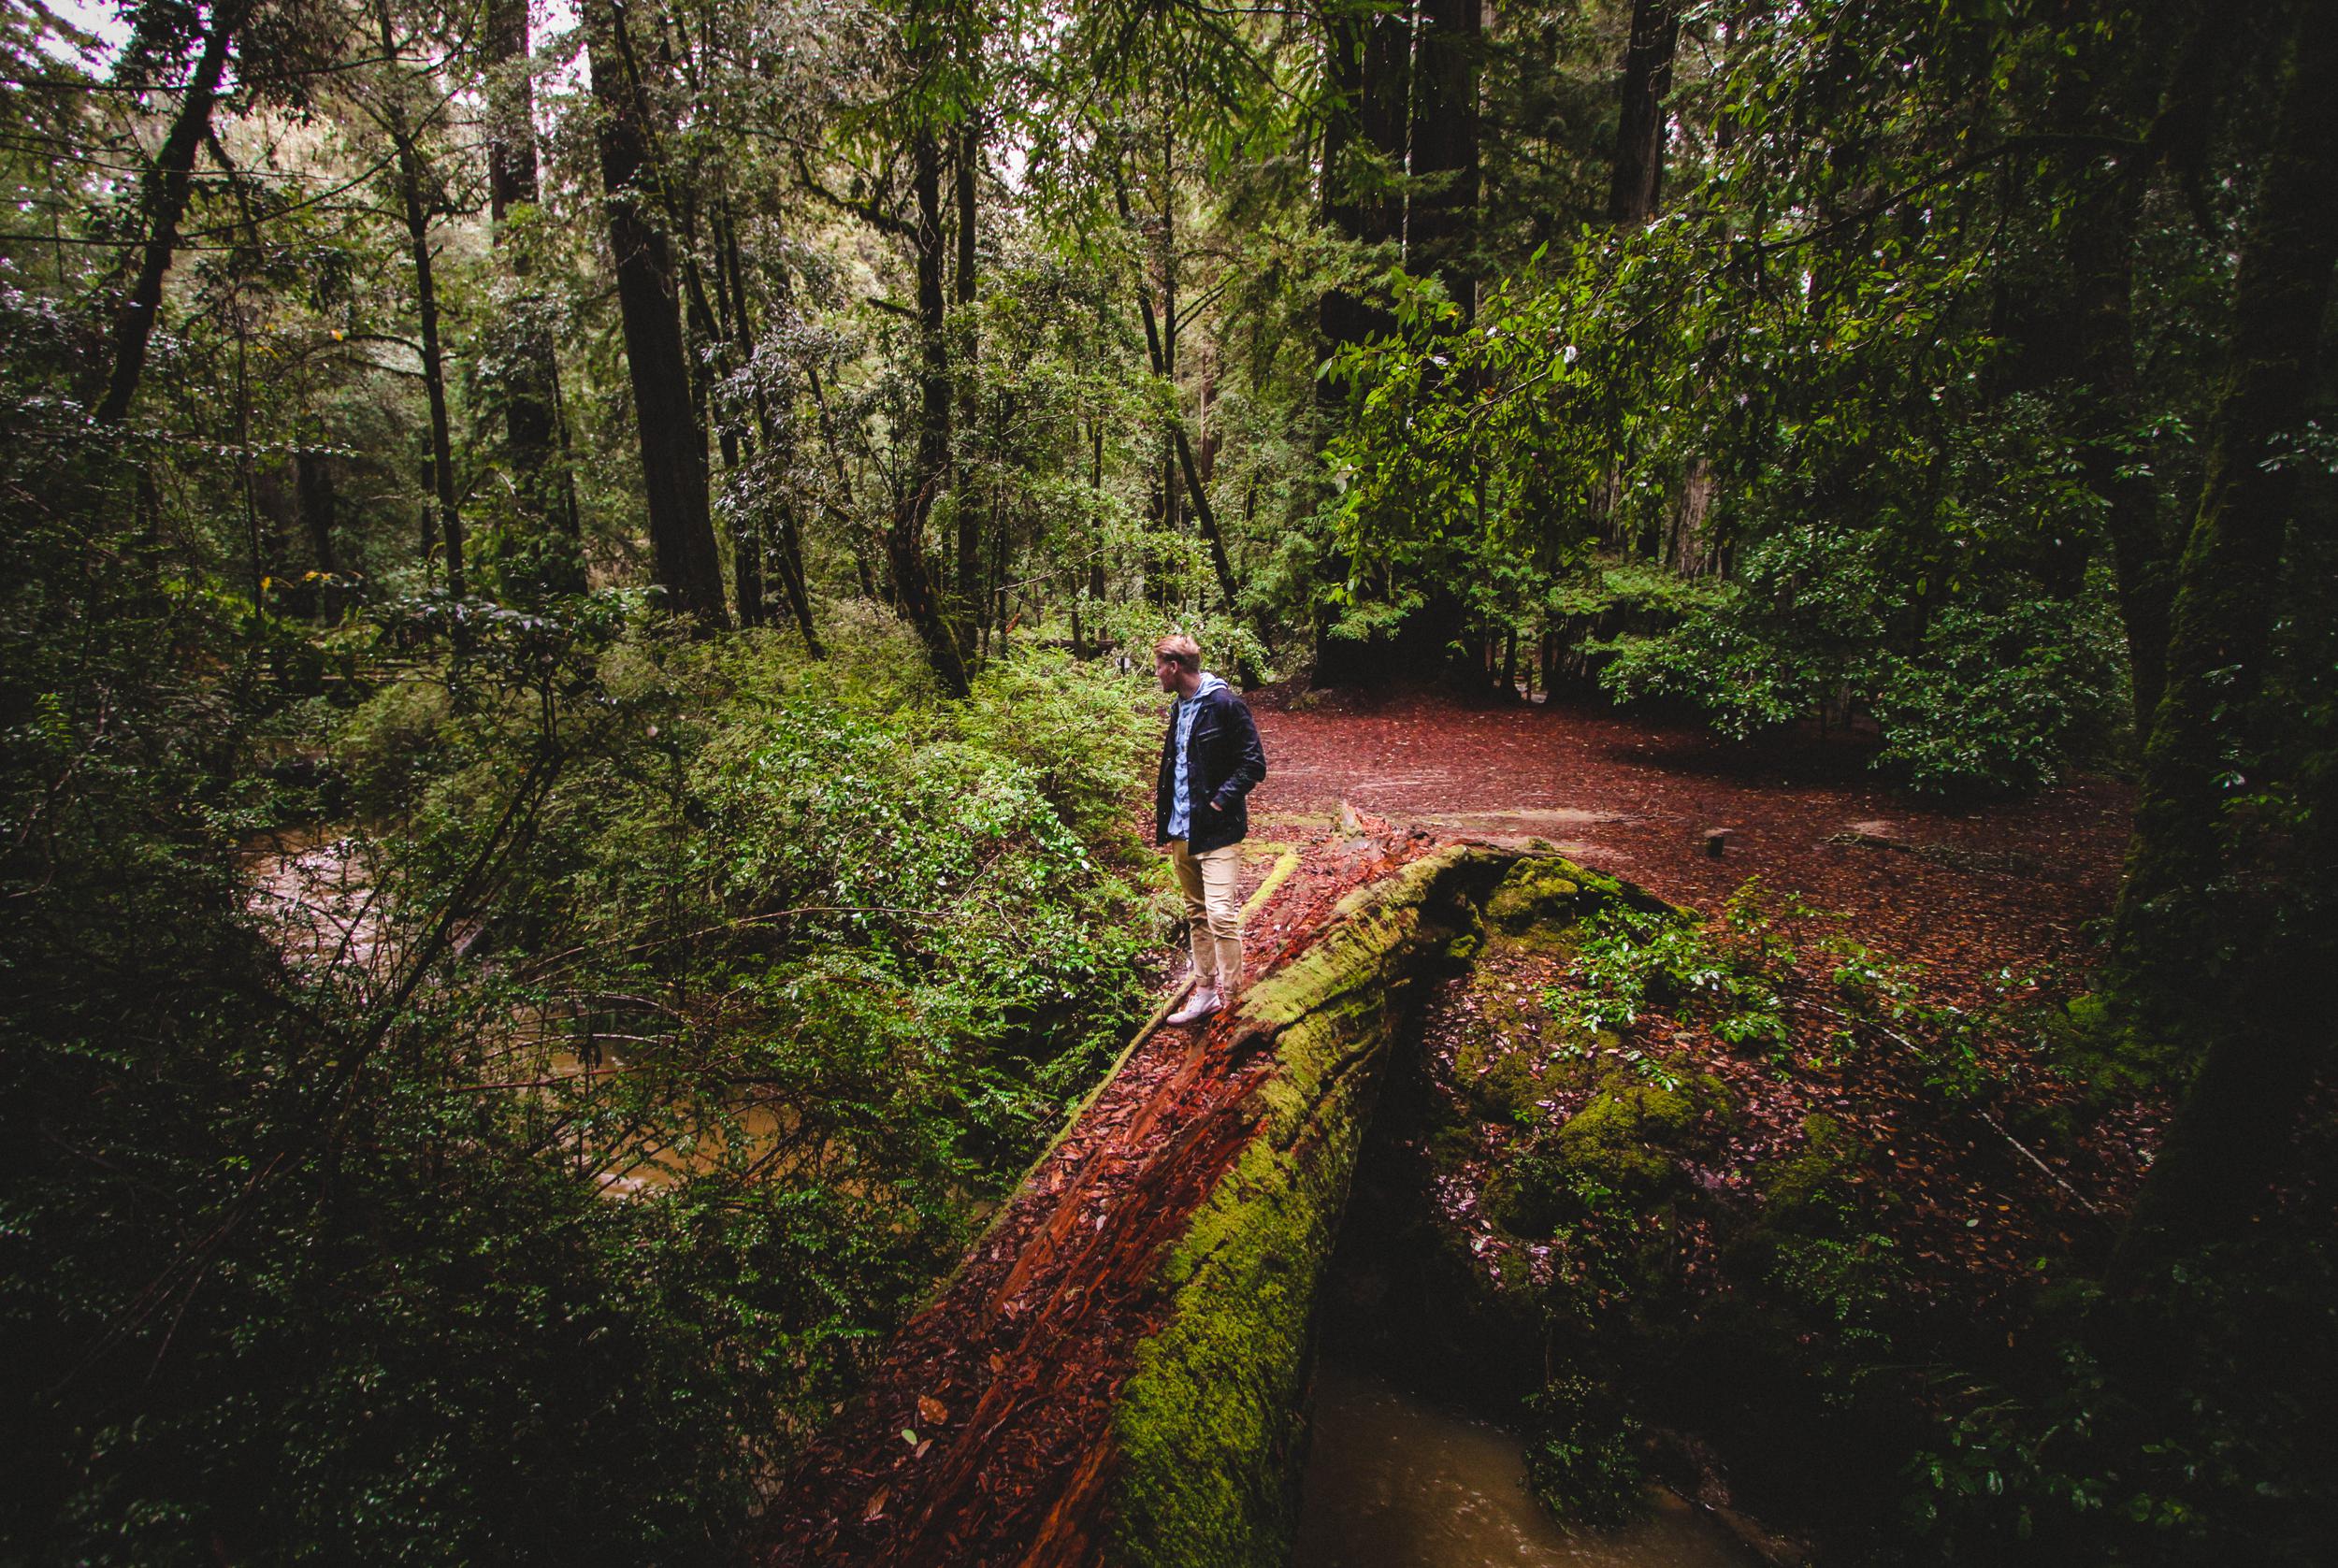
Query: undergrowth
322 1257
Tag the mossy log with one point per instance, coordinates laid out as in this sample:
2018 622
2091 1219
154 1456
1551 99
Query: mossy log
1209 1427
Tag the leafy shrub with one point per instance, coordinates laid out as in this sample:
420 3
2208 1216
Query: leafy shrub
1991 693
2001 697
1081 731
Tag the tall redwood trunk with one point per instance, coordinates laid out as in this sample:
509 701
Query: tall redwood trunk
1441 231
906 540
2198 938
1368 67
534 434
683 555
1637 175
162 202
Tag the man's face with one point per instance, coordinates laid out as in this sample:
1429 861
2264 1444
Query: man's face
1165 671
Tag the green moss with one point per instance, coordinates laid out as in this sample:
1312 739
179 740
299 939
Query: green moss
1812 1183
1506 1091
1208 1425
1618 1151
1537 891
1453 1146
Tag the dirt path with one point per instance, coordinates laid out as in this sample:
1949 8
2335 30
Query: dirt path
1972 890
985 1438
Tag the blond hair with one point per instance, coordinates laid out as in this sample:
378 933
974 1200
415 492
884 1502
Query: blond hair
1179 650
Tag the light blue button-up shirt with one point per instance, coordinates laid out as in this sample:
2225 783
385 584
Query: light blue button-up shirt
1180 813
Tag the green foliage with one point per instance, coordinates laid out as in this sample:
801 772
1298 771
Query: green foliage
1821 1255
1583 1458
1079 735
2213 1460
1628 960
2003 697
329 1265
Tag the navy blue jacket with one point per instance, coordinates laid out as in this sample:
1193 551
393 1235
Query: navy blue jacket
1222 760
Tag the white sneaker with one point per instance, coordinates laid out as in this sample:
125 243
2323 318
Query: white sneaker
1201 1004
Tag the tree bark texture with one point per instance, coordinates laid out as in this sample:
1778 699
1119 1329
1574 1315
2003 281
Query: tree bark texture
1441 232
529 384
2195 937
1368 65
161 203
682 553
965 158
906 540
1637 173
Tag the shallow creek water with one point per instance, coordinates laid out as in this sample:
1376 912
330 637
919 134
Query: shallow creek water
1393 1482
313 889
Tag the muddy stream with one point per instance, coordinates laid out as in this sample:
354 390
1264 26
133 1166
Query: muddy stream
314 890
1394 1482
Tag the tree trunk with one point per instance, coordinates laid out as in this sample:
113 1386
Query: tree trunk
1368 67
682 553
965 157
1440 234
905 540
2194 941
162 202
1637 175
312 495
531 383
409 179
790 540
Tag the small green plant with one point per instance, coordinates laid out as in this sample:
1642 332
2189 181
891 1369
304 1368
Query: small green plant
1884 995
1729 976
1584 1457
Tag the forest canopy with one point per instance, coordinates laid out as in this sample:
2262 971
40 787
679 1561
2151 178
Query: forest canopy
668 494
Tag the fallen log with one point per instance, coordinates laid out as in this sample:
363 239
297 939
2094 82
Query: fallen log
1116 1373
1210 1427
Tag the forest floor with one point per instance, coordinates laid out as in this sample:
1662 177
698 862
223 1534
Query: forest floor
1965 889
985 1435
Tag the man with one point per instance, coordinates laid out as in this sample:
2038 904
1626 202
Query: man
1209 760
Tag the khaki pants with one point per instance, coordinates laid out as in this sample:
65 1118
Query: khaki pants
1211 884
